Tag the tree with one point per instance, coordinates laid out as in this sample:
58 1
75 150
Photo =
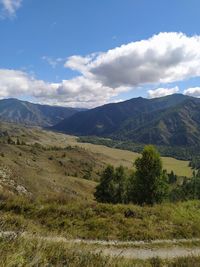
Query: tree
120 185
105 190
172 177
150 180
113 186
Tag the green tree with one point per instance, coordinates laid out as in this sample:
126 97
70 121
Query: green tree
172 177
105 191
120 185
150 180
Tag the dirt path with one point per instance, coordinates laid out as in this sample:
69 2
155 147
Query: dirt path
108 248
144 254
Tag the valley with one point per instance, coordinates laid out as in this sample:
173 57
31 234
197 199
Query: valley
49 156
47 185
99 133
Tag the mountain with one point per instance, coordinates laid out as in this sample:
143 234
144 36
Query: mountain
169 120
17 111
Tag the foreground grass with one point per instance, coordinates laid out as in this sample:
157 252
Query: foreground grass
22 252
91 220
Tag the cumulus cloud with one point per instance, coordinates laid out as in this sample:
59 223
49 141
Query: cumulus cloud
194 91
79 63
159 92
14 83
10 6
164 58
79 91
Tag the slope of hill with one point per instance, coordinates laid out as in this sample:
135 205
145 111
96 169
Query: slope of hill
49 162
170 120
14 110
178 125
40 170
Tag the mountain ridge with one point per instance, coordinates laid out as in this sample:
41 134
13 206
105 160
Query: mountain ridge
30 114
169 120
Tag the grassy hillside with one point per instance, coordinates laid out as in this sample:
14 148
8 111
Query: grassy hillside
104 154
112 155
47 182
41 172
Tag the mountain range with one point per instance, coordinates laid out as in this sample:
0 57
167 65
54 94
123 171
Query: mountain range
170 120
23 112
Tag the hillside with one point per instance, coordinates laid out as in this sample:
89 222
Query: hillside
178 125
44 169
47 181
48 164
170 120
17 111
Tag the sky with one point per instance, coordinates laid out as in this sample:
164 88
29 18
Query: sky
86 53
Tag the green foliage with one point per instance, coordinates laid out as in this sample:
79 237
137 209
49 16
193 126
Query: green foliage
105 190
150 180
113 186
189 189
195 162
120 181
172 177
147 186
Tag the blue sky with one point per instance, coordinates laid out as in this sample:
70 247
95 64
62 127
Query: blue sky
39 38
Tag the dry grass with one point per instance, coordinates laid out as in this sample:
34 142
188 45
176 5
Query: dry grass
111 155
105 154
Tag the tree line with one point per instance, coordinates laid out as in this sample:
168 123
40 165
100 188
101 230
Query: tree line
148 184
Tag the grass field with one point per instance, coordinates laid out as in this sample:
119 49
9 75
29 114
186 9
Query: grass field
90 220
112 155
105 154
42 192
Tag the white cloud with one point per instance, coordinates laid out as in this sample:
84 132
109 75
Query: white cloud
164 58
79 91
194 91
159 92
15 83
53 62
10 6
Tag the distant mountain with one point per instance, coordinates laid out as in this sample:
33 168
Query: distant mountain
23 112
170 120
